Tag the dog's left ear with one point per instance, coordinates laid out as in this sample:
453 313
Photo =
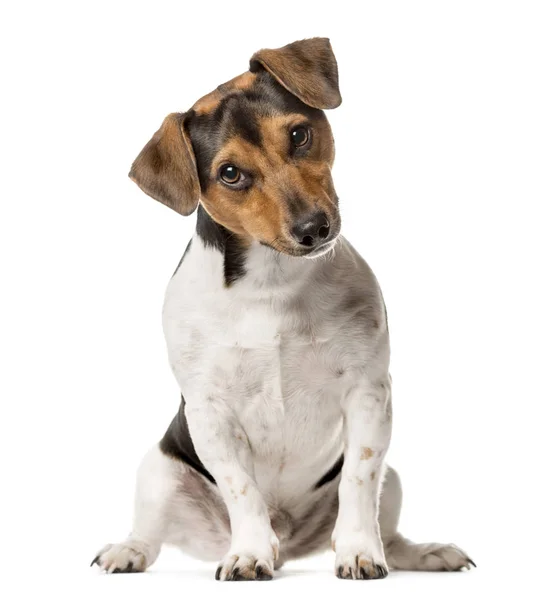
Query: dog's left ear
306 68
166 169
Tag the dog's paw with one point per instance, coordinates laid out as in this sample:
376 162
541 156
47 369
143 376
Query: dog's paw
356 560
359 566
244 568
445 557
129 557
251 557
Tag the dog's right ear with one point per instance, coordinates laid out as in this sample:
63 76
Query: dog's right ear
307 69
166 168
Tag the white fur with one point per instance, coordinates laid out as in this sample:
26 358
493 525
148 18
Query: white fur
265 401
282 373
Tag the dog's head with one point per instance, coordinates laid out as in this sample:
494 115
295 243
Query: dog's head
257 152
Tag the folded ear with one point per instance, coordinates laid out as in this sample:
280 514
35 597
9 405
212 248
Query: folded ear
166 169
306 68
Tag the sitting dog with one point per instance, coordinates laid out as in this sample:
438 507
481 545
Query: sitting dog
277 335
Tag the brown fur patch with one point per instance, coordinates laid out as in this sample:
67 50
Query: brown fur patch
241 82
306 68
166 169
208 103
366 453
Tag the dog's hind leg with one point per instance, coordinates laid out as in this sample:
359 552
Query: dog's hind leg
174 505
402 554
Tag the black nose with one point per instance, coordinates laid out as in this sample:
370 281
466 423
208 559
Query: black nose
311 231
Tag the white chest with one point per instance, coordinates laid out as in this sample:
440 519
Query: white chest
282 382
248 356
279 357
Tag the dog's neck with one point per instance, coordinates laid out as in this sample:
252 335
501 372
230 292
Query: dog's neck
255 264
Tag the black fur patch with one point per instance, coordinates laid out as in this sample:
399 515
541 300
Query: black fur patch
216 236
332 473
241 116
178 444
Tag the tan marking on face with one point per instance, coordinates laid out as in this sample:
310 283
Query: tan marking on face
262 212
373 475
241 82
207 104
229 480
366 453
251 214
244 490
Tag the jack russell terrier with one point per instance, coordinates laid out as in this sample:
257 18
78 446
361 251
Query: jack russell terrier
278 337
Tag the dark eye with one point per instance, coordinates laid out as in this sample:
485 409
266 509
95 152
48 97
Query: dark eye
300 136
231 174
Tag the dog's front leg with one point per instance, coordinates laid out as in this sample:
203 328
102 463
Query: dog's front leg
223 447
367 429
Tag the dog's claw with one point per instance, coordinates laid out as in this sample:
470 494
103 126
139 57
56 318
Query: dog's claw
120 558
218 573
382 572
471 562
261 574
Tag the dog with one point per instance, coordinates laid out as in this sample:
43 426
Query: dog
277 334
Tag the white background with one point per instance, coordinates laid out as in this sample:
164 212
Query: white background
440 171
